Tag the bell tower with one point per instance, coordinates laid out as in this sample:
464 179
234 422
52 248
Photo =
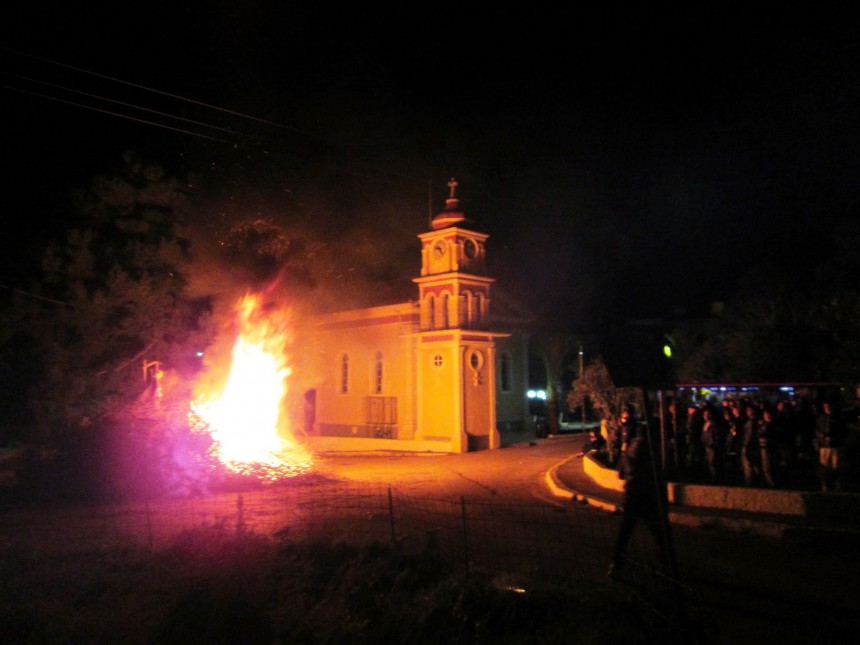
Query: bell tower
454 290
456 352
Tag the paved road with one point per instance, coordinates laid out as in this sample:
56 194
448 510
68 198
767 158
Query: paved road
512 473
750 587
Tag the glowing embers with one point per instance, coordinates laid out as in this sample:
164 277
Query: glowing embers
246 421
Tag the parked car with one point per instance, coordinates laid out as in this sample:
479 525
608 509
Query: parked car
569 423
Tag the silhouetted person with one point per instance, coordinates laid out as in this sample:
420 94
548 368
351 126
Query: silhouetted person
830 440
785 433
749 445
734 429
767 447
695 449
626 427
713 440
643 498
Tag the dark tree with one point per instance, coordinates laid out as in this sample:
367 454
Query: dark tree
781 326
112 296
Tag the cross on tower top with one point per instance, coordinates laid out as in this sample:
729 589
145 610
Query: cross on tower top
453 186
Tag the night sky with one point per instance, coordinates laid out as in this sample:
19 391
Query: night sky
623 162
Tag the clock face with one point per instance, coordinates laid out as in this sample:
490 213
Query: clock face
439 250
470 249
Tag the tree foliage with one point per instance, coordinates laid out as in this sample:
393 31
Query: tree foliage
112 295
554 349
781 328
596 384
266 251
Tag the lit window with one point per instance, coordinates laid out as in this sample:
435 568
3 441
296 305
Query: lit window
344 374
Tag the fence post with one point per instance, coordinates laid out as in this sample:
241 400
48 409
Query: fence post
465 534
391 517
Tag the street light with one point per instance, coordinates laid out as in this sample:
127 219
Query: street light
581 369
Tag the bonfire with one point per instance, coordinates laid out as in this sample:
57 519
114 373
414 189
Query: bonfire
245 414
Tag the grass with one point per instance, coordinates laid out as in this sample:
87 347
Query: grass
212 585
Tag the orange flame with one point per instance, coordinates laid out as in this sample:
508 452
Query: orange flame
246 421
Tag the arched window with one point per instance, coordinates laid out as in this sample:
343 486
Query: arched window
479 308
443 318
344 374
431 311
469 301
377 374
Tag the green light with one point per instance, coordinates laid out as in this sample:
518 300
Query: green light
667 351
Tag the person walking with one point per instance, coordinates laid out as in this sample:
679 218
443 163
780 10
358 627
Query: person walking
643 499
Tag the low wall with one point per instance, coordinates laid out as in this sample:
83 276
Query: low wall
844 507
361 444
757 500
605 477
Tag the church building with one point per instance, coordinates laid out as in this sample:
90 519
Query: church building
431 374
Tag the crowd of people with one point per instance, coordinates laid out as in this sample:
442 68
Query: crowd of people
789 443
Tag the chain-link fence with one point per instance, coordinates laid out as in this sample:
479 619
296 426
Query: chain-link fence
522 542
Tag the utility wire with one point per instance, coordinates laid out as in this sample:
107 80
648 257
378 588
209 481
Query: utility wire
172 96
38 297
123 103
153 90
117 114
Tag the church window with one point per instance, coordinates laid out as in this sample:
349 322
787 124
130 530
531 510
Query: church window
506 369
469 301
431 312
344 374
377 374
476 360
443 318
437 360
470 249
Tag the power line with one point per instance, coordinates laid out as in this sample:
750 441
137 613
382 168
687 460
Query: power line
166 114
153 90
37 297
116 114
123 103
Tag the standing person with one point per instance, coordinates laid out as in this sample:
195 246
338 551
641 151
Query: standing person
749 445
785 429
627 427
613 441
805 417
679 440
643 499
712 441
734 427
830 441
767 447
695 450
